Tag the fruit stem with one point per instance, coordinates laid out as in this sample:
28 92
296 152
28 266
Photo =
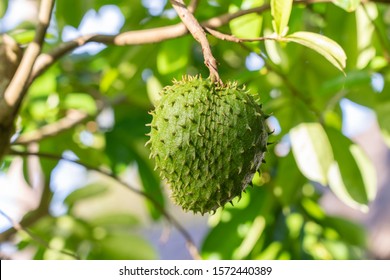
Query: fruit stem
199 35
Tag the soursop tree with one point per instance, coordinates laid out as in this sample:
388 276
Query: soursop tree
258 101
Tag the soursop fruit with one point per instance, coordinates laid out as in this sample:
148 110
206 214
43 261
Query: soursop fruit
207 141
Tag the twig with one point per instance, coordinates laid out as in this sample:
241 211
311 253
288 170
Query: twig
189 242
231 38
139 37
72 118
14 93
19 228
148 36
199 35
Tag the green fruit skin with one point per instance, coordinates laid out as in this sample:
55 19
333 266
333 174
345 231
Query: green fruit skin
207 142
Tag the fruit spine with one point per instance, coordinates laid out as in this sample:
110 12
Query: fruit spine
207 141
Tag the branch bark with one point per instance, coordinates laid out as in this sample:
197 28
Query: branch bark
12 97
72 118
18 86
199 35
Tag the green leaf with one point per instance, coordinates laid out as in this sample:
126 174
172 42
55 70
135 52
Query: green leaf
281 11
312 151
323 45
348 5
3 7
351 176
383 116
85 192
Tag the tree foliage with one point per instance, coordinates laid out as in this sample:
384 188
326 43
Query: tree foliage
90 107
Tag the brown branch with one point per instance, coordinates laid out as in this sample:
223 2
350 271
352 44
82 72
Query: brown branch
15 91
189 242
199 35
72 118
149 36
234 39
136 37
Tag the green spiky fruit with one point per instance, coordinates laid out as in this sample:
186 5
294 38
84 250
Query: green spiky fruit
207 141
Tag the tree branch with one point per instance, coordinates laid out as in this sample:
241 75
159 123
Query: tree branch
72 118
137 37
234 39
15 91
199 35
149 36
189 242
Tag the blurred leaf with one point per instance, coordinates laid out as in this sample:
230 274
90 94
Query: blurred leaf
352 80
271 252
313 209
86 192
70 12
23 36
348 230
152 186
109 77
44 84
81 101
153 87
3 7
288 180
312 151
253 233
383 116
281 11
248 26
115 219
351 176
294 222
348 5
126 145
234 224
322 45
123 246
173 55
